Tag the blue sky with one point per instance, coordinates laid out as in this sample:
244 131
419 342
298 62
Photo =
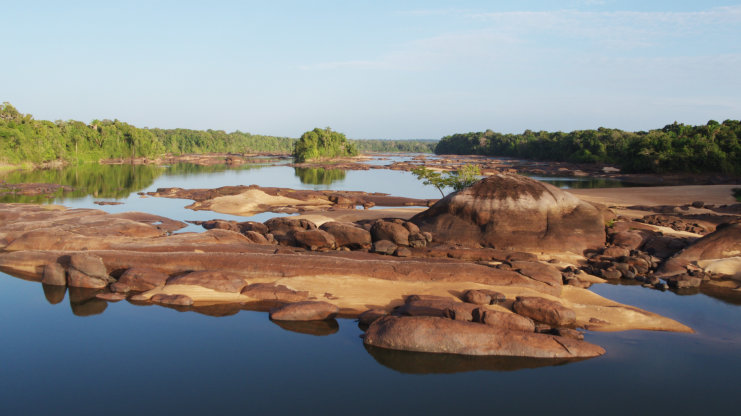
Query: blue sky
374 69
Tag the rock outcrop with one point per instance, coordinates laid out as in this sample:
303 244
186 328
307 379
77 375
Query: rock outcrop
515 212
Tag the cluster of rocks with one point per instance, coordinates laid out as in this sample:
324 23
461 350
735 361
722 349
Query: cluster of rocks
33 189
527 326
392 237
675 223
637 253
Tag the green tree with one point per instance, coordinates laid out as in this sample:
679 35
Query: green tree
461 179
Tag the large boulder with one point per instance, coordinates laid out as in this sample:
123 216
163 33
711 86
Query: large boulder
440 335
510 211
544 310
139 279
304 311
396 233
348 235
723 243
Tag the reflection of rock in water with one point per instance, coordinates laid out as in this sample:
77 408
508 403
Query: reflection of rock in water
84 303
319 328
428 363
319 176
723 294
218 309
54 294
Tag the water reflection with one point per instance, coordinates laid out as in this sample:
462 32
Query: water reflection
317 328
54 294
104 181
84 303
583 182
427 363
319 176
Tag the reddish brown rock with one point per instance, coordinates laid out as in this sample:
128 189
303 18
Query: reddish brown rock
477 297
366 318
384 247
615 252
139 279
175 300
257 227
544 310
539 271
504 320
304 311
211 279
348 235
724 242
111 297
88 264
402 252
514 212
438 335
396 233
256 237
54 274
629 239
314 240
76 278
271 291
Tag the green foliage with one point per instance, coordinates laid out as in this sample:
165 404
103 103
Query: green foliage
23 139
461 179
395 146
737 194
322 144
319 176
714 147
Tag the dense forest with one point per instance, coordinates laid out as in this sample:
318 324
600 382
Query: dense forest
714 147
395 146
322 144
23 139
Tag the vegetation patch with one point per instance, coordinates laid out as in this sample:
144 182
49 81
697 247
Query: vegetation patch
322 144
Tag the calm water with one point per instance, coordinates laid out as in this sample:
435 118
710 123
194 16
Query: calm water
82 356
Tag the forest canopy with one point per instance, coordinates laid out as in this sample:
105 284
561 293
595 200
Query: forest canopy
713 147
322 144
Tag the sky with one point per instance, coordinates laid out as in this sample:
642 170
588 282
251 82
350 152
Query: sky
374 68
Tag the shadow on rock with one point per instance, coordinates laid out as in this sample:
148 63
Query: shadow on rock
318 328
428 363
84 303
54 294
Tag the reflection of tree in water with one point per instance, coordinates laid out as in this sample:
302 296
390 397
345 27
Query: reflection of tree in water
103 181
100 181
319 176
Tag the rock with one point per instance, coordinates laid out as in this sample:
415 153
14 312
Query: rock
76 278
724 242
305 311
54 293
111 297
417 240
89 264
174 300
611 274
698 204
402 252
211 279
220 225
139 279
284 228
314 240
54 274
396 233
539 271
544 310
438 335
411 227
509 211
253 226
256 237
568 333
615 252
366 318
477 297
271 291
664 246
384 247
683 281
630 240
348 235
504 320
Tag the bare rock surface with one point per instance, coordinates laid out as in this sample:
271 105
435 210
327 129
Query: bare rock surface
544 310
305 311
508 211
211 279
139 279
440 335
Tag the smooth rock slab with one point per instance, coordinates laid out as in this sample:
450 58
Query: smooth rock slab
439 335
211 279
54 274
89 264
139 279
271 291
304 311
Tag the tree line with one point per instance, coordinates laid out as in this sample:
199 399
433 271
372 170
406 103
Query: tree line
713 147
